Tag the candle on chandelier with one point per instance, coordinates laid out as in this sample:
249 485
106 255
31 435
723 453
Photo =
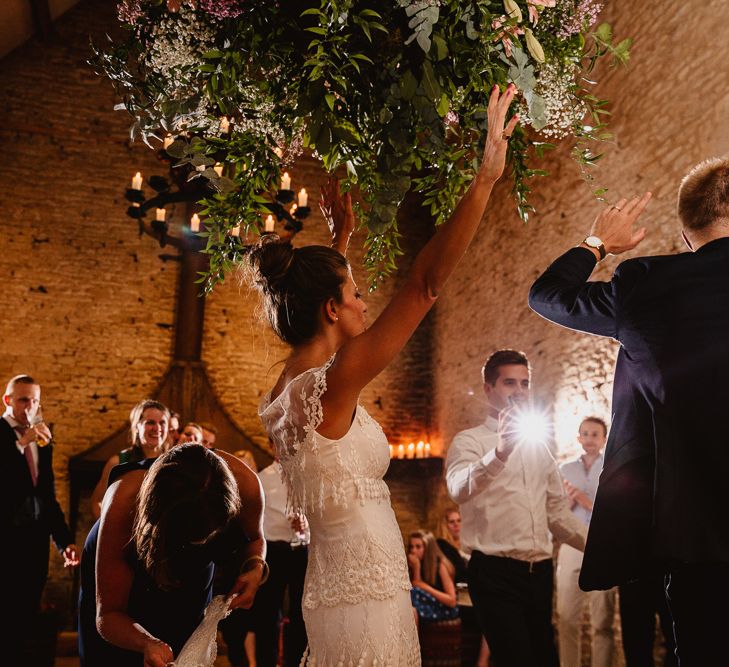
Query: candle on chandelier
169 139
195 223
161 214
224 125
303 197
292 210
420 450
137 181
411 450
218 169
427 450
392 451
268 225
401 451
286 181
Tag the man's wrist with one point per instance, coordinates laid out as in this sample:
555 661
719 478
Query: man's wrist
594 251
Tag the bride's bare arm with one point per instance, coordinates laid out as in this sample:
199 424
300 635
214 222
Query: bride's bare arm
362 358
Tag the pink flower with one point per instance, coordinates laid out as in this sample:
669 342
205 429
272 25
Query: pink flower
534 6
223 9
506 34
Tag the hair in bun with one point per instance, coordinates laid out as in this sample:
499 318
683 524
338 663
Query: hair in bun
295 283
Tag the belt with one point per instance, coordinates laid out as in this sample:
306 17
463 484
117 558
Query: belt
530 566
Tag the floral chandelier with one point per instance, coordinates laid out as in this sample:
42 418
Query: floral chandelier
390 92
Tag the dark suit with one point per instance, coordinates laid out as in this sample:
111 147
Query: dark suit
662 500
28 517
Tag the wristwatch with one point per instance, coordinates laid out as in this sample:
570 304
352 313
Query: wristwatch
597 244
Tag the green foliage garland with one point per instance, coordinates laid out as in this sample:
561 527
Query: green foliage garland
391 91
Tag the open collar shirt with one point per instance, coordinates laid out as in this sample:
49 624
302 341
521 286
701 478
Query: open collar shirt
585 480
509 509
8 417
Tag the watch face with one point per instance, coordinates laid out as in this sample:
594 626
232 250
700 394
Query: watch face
593 241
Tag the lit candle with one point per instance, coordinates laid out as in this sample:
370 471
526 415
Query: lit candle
268 226
286 181
303 197
137 181
161 214
392 451
218 169
411 450
419 450
169 139
224 125
235 231
427 450
401 451
292 210
195 223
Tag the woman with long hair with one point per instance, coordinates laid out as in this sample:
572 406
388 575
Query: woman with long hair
432 573
148 563
333 454
148 429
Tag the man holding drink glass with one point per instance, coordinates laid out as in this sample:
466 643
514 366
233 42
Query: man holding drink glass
29 511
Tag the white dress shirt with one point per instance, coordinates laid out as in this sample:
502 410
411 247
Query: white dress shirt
276 524
509 509
8 417
585 480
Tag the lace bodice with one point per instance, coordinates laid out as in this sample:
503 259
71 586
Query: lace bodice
356 550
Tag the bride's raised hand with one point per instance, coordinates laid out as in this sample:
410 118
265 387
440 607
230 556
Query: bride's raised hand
338 213
497 140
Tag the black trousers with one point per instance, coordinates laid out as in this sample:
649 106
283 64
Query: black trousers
697 595
288 568
513 604
640 601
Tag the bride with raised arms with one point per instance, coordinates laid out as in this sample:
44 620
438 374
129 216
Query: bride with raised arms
334 455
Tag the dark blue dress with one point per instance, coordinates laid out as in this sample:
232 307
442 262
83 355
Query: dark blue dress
169 615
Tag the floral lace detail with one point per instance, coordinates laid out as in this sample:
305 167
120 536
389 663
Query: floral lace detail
356 601
349 641
354 570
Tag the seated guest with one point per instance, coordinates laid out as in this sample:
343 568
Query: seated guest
431 574
173 431
449 543
191 433
148 431
210 435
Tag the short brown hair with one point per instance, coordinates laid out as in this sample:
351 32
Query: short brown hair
490 370
18 379
596 420
703 196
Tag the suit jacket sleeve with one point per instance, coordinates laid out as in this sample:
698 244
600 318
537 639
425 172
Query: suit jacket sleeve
562 294
54 516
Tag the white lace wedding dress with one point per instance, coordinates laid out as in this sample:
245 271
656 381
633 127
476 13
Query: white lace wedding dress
356 600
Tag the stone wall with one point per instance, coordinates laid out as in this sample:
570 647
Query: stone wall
90 304
669 109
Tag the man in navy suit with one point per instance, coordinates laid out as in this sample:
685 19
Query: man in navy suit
29 514
662 503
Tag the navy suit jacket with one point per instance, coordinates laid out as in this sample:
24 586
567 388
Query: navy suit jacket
661 496
28 513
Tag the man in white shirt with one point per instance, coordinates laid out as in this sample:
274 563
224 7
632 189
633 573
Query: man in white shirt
511 498
580 480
